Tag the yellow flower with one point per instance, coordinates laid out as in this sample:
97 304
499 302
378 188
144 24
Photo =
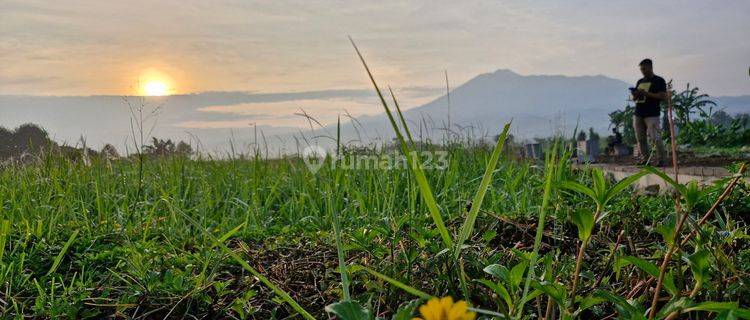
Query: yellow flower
445 309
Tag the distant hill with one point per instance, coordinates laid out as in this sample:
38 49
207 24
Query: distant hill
538 104
736 104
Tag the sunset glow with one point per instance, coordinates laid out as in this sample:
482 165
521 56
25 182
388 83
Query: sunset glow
155 88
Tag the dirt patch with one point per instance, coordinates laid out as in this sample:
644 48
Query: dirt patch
685 159
307 270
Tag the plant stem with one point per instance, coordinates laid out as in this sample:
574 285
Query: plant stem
549 173
672 135
548 312
719 200
678 228
579 259
609 258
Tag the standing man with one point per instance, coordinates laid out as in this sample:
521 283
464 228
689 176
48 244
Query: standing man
648 94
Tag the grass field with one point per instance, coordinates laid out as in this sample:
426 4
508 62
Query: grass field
254 238
92 241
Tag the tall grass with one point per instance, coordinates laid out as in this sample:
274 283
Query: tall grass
172 237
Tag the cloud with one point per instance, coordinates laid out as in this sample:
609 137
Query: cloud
288 112
302 46
25 80
106 118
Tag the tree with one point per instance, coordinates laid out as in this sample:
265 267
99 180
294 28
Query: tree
159 147
688 105
721 118
29 137
6 143
593 136
165 148
183 148
623 119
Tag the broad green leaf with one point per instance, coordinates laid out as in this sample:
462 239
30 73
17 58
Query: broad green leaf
666 229
406 310
584 221
499 271
555 291
680 188
599 185
674 305
349 310
692 195
727 315
489 235
626 309
644 265
742 313
532 295
713 306
699 264
588 302
500 290
653 271
516 274
623 184
580 188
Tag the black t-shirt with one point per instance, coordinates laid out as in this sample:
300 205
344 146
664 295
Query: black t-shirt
649 107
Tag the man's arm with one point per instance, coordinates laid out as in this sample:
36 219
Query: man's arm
660 94
656 95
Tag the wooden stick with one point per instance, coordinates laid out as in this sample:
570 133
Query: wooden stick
678 228
672 135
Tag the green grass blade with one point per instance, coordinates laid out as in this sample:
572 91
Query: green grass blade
230 233
680 188
342 259
278 291
468 226
548 174
622 185
64 249
413 160
580 188
401 117
409 289
4 234
338 136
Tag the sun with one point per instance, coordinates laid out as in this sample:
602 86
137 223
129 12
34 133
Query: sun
155 88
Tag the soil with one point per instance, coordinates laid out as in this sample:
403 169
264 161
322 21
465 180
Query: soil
308 270
685 159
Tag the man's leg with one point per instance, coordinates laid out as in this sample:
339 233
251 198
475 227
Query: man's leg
654 132
640 137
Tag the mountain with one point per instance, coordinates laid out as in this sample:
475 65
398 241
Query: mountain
539 105
733 104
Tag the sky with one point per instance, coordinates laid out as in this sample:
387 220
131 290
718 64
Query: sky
82 48
102 47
